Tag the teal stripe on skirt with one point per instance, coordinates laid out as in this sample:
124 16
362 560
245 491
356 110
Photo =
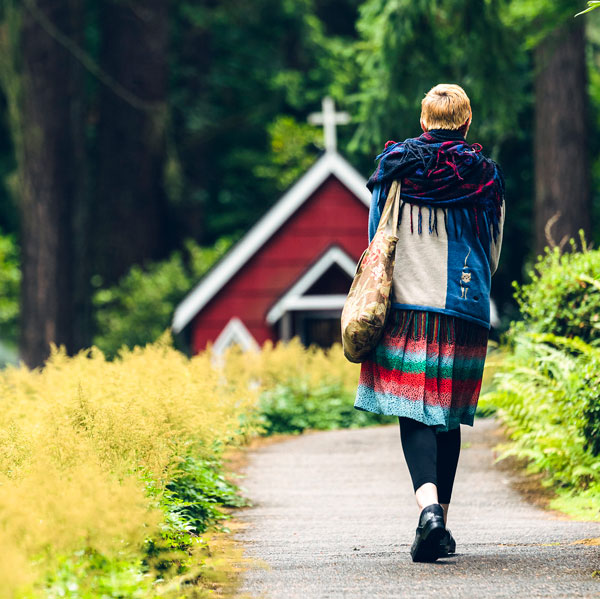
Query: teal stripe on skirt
428 366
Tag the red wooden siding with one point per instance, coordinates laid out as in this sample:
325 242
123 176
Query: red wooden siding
331 216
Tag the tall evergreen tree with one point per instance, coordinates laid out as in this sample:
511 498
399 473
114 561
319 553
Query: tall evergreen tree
130 208
560 142
562 188
51 142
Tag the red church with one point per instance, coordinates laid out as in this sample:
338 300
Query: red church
289 275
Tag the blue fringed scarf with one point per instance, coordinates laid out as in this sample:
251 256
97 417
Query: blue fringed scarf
440 169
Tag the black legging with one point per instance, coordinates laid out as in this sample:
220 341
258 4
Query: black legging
431 457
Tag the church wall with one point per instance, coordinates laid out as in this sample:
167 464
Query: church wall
331 216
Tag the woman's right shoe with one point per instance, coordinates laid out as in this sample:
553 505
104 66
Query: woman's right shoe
431 529
447 545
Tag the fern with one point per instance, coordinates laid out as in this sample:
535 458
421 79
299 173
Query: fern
545 391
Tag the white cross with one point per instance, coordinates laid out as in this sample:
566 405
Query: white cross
329 118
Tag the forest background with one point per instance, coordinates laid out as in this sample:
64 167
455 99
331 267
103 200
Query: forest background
139 139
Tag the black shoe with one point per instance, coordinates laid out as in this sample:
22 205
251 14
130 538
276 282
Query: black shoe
430 531
447 545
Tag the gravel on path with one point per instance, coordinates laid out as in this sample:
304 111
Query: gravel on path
334 516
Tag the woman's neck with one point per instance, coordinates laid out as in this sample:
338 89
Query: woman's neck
448 134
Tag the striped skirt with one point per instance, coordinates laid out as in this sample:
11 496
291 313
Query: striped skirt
427 366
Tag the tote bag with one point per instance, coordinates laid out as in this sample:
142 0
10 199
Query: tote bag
368 302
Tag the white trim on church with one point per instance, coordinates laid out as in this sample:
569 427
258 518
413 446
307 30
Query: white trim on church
330 163
295 298
234 333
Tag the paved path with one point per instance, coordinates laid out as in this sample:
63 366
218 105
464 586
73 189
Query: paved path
334 517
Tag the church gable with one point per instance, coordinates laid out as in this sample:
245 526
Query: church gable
329 166
332 216
313 235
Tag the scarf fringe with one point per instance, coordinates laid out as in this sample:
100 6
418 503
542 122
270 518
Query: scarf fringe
433 220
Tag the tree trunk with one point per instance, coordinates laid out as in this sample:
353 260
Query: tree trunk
130 206
562 202
50 177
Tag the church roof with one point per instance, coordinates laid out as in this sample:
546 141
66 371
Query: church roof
330 163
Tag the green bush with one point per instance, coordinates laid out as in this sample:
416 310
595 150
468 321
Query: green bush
192 504
547 394
139 309
563 296
547 386
563 299
545 390
199 491
296 406
89 575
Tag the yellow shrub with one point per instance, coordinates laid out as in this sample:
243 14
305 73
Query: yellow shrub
81 438
77 436
292 361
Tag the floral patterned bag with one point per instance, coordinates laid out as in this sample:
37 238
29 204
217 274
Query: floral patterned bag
368 302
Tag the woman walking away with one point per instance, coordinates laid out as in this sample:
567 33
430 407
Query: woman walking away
428 365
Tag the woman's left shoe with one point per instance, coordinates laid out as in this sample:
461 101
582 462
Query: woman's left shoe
431 529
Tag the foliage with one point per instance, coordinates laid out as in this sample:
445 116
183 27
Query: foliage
259 62
291 155
198 491
303 388
547 385
285 363
534 20
99 461
297 406
547 391
592 5
395 77
111 475
88 575
140 307
563 295
10 279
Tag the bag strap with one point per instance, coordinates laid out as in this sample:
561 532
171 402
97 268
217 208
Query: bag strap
392 205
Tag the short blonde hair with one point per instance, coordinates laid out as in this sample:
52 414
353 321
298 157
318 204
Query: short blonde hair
445 106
